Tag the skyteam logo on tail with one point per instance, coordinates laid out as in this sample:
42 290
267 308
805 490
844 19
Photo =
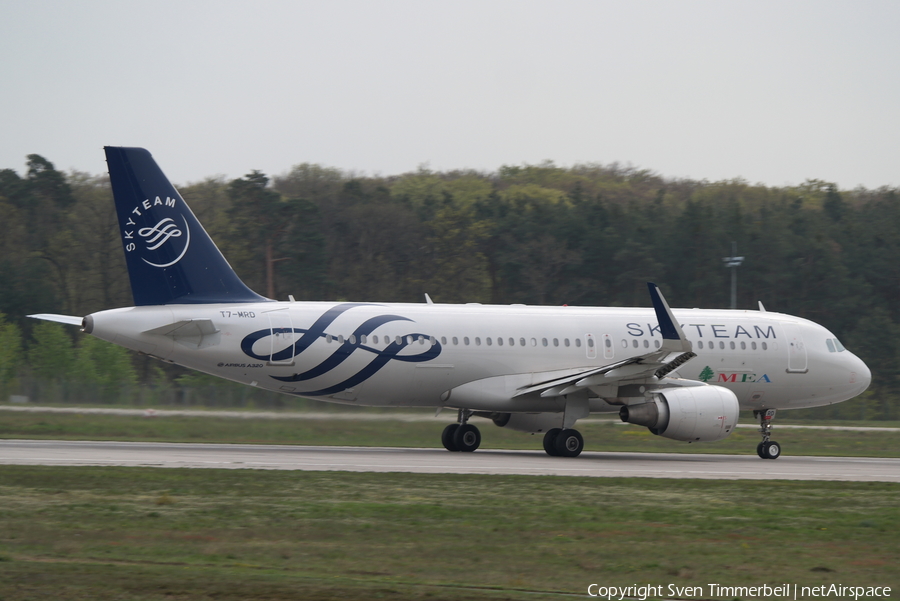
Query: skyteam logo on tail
161 242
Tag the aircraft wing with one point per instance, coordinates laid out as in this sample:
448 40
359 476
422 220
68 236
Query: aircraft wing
674 352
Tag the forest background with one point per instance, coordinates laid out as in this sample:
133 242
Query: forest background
537 234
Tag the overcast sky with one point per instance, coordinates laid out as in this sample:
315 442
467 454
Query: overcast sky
773 92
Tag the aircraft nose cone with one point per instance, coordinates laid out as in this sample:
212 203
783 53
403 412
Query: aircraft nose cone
860 375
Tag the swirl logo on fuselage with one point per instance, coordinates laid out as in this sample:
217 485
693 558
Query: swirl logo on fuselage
156 236
380 356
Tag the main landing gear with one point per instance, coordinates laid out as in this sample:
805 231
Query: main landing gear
767 449
560 442
461 436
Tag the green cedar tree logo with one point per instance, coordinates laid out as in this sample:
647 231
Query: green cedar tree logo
706 374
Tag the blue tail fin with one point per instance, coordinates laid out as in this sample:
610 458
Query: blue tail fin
170 257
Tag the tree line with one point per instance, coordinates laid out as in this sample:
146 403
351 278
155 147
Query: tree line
537 234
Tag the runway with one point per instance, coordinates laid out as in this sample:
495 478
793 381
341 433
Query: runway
484 461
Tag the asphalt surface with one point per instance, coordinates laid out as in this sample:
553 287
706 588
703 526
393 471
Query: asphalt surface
484 461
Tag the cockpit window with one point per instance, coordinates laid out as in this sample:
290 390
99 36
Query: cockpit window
839 346
830 345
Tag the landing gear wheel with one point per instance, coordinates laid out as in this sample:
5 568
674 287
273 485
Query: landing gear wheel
771 450
550 441
467 438
447 437
569 443
767 449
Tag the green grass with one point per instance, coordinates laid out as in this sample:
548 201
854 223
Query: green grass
145 533
599 436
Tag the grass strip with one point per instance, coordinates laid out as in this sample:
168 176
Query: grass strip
144 533
599 436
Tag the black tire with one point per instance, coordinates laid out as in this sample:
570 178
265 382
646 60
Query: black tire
569 443
759 450
467 438
447 437
771 450
550 441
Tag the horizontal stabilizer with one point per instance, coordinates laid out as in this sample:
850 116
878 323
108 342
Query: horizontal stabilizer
71 320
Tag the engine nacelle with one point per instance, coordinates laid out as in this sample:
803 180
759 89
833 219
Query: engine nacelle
697 413
528 422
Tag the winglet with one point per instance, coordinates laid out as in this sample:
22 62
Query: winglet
668 325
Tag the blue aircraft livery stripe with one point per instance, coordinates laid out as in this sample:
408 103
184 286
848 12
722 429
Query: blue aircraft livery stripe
315 331
382 359
344 351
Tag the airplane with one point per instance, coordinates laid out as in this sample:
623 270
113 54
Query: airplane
684 374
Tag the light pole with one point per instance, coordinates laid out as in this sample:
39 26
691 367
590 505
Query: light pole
733 262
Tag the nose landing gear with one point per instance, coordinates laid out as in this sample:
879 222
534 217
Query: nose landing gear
767 449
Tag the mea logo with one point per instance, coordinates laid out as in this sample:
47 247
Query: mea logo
161 242
735 378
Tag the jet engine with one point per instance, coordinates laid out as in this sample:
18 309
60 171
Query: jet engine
699 413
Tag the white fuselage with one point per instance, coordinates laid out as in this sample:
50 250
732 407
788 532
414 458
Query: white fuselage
430 355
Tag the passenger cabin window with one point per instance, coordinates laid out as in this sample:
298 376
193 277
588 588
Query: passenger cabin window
534 342
544 341
752 346
578 343
499 341
455 341
634 343
443 340
731 344
488 340
556 342
765 346
512 342
566 342
466 340
655 343
521 342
